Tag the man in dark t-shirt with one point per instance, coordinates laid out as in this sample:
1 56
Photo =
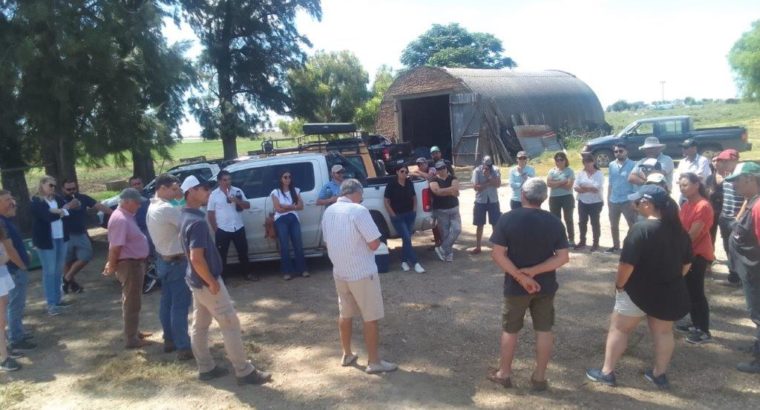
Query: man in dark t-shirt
529 245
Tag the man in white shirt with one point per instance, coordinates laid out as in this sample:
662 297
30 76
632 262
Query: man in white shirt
693 162
352 237
224 207
652 149
163 220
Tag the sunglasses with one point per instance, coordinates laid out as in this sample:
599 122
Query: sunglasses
70 189
522 157
51 185
403 171
559 159
618 151
286 177
338 172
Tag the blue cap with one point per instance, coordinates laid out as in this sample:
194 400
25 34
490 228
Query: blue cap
652 193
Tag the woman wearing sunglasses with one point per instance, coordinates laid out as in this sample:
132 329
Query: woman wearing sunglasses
287 201
49 237
400 202
561 199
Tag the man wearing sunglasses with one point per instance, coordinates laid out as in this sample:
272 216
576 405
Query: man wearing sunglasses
329 193
79 247
517 177
224 214
617 194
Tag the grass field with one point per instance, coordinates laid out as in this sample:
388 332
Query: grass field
746 114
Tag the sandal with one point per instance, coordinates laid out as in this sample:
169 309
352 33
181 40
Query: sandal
504 382
536 385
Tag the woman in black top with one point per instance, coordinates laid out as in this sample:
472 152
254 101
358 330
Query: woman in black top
649 283
401 204
445 188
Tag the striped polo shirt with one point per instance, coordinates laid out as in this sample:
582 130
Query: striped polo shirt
347 228
732 201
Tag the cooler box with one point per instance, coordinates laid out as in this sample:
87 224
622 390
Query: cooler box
34 258
382 258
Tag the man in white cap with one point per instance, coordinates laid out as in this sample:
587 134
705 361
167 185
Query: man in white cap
331 190
486 179
517 177
210 297
652 149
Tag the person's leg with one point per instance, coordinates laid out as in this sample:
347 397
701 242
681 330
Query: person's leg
444 223
455 227
16 305
60 261
662 336
629 213
345 328
241 247
621 328
223 239
131 275
751 287
409 219
512 319
479 220
180 305
371 341
225 315
695 282
82 255
568 208
407 254
542 313
165 306
3 341
283 238
595 215
582 222
296 238
201 322
507 348
47 260
726 226
544 348
555 206
615 210
714 229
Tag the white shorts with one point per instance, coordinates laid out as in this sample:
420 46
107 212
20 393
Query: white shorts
6 283
625 306
360 298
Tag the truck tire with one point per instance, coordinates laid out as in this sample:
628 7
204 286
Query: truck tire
382 226
709 151
603 157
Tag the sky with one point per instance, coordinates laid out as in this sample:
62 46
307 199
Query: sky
621 49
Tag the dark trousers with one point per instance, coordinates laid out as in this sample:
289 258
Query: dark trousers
714 229
726 225
588 212
223 239
564 204
695 282
515 204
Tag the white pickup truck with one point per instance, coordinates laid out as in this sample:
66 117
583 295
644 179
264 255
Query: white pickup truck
258 177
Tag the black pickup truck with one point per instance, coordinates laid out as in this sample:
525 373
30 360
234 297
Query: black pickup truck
671 131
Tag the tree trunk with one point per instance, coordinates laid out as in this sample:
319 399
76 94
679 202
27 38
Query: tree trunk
15 182
59 159
226 103
142 164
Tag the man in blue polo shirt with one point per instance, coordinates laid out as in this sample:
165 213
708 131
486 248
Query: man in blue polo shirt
617 194
331 190
17 338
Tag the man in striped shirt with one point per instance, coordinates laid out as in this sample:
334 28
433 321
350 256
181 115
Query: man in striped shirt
351 238
732 202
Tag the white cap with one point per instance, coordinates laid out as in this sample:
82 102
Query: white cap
336 168
190 182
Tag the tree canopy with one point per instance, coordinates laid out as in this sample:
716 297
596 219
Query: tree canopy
453 46
744 58
366 115
329 88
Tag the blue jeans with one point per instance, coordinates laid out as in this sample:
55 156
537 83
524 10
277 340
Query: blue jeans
16 305
176 299
53 261
404 225
289 230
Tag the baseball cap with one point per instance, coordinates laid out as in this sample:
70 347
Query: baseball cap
653 193
487 160
655 178
440 165
191 182
421 159
689 143
651 163
434 148
522 154
336 168
744 168
728 155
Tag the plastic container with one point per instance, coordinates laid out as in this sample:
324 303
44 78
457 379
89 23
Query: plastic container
382 259
34 259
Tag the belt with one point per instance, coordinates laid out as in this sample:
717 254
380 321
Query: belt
173 258
132 260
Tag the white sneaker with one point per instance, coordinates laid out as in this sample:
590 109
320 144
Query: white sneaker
405 266
381 367
418 268
439 252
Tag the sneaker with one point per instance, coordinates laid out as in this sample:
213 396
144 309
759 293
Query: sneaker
169 346
697 337
594 248
149 284
348 360
579 245
596 375
571 243
381 367
418 268
66 285
660 381
185 354
613 249
439 252
749 367
450 257
22 345
255 377
9 365
684 326
287 277
214 373
54 311
15 354
305 274
75 287
64 304
405 266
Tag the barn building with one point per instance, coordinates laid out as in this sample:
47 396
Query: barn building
469 113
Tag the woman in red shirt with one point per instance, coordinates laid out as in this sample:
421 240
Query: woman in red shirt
697 219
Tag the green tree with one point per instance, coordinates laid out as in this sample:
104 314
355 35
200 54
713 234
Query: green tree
248 48
329 88
453 46
744 58
366 115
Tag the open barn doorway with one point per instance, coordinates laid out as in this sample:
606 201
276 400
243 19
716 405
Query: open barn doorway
425 121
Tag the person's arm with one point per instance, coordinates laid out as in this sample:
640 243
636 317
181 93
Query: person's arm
436 188
569 183
13 255
499 256
113 260
477 187
43 212
551 183
623 274
299 205
387 203
454 188
102 208
637 177
495 179
373 245
597 182
756 220
200 266
560 257
212 220
577 185
242 202
326 197
695 229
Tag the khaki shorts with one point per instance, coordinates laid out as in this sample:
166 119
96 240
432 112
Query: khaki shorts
625 306
360 298
541 310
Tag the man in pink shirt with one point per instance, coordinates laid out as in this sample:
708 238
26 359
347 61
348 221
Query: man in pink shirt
127 250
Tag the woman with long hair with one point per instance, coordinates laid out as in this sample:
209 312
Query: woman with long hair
49 236
7 361
561 200
400 202
589 186
697 219
649 284
287 201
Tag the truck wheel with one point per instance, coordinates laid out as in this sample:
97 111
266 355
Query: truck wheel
603 157
381 226
709 151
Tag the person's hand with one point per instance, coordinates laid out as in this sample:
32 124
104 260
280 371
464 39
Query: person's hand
56 211
108 270
528 272
213 287
73 204
529 284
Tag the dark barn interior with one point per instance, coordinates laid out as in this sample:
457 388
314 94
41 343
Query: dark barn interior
426 122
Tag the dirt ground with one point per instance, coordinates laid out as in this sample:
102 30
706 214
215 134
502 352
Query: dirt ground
442 328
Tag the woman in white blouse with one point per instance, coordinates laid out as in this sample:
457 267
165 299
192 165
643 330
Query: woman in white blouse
287 201
589 183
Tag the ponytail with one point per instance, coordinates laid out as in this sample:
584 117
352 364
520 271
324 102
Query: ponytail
669 215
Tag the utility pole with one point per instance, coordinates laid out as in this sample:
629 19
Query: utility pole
662 85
